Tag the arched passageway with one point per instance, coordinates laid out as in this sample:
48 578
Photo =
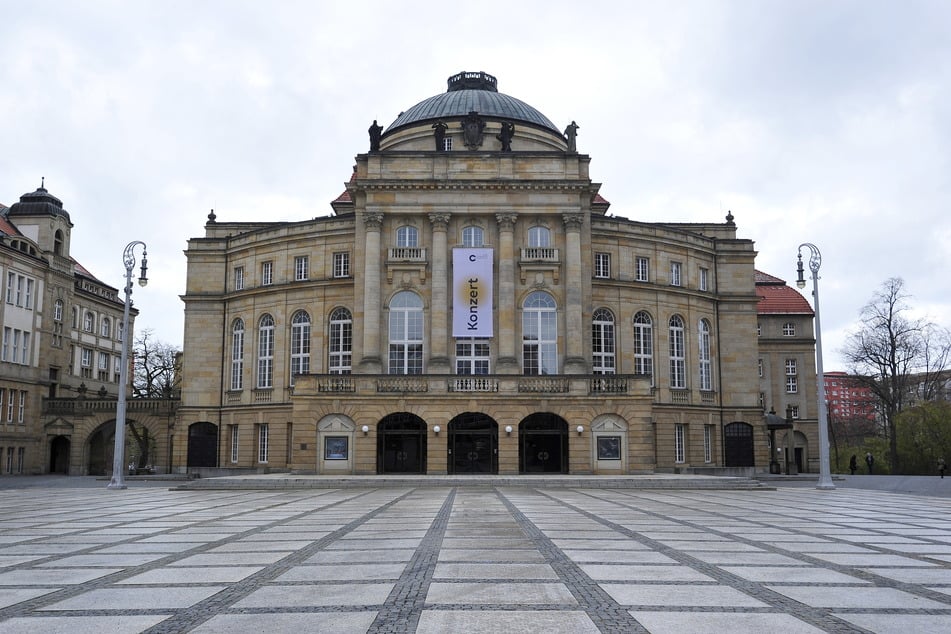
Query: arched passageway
473 444
543 444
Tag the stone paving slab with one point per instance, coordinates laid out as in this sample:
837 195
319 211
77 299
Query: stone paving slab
473 559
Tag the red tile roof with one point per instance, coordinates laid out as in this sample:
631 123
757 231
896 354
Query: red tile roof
776 298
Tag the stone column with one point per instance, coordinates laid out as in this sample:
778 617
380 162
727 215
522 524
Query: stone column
439 307
574 324
507 361
371 363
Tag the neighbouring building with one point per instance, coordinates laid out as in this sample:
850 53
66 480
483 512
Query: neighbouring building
470 306
787 371
849 398
61 349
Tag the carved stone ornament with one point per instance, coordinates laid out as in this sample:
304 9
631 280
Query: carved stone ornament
472 127
506 221
573 221
439 220
373 220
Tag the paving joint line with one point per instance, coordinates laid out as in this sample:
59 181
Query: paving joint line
607 614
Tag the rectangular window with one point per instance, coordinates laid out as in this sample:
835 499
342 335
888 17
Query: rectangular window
239 278
86 360
708 443
472 357
762 401
21 408
7 335
301 268
792 385
759 367
642 273
9 459
25 350
267 273
11 284
447 144
342 264
21 458
19 295
791 367
103 361
680 449
29 293
602 265
794 411
233 431
11 399
704 281
675 274
262 443
789 329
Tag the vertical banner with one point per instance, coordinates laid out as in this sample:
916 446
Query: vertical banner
472 292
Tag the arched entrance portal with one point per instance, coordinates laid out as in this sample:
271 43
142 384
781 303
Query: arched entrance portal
401 444
101 447
543 444
738 448
473 444
202 445
59 455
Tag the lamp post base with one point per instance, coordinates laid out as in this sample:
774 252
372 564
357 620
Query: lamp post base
116 484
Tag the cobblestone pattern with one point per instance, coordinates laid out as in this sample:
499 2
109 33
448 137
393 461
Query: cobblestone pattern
473 559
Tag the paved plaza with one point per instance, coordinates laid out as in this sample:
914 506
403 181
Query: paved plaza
472 559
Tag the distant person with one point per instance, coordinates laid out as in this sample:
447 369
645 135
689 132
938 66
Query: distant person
853 464
870 461
941 467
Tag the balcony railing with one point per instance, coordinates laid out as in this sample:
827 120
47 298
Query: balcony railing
539 254
407 254
88 406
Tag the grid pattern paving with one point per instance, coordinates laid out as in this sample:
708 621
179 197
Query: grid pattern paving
473 559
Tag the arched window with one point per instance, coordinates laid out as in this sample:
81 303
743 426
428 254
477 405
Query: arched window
237 355
678 359
473 237
539 334
706 366
300 344
406 334
58 242
105 327
407 236
644 345
266 352
539 237
58 310
341 341
602 342
88 321
120 331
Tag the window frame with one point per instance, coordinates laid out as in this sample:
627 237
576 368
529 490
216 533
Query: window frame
642 269
301 268
602 265
677 352
341 264
603 342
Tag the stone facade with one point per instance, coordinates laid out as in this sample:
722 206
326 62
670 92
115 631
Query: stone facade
62 343
327 345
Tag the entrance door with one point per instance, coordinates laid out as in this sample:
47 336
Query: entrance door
473 444
59 455
543 444
739 445
401 444
202 445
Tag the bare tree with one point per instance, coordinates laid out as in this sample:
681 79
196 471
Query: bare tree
891 352
155 373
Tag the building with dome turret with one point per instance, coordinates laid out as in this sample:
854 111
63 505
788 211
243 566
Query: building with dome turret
470 307
61 348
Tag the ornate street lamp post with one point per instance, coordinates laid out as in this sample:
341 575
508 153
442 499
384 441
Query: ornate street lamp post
118 461
815 259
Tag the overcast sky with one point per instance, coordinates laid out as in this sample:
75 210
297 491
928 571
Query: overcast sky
824 122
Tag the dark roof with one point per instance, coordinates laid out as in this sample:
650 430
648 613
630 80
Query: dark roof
38 203
778 299
472 92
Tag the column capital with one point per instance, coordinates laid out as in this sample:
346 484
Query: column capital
573 222
440 221
506 221
373 220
